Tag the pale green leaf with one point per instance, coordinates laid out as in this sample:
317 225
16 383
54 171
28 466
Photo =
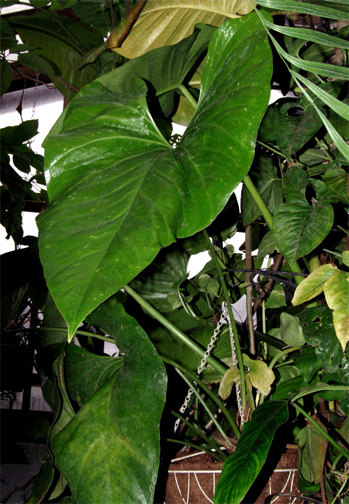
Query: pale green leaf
259 374
336 290
345 257
231 376
169 21
313 285
306 8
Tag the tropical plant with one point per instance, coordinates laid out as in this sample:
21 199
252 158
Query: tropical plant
128 206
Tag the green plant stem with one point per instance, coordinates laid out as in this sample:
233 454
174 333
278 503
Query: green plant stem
259 201
185 92
268 218
342 229
179 335
207 391
341 488
196 447
61 329
319 388
210 414
345 453
209 441
249 290
232 320
281 354
271 149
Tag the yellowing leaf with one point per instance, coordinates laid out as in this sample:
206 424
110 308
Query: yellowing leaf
166 22
345 257
313 285
231 376
259 374
336 290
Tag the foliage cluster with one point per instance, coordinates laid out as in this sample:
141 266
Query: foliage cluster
129 204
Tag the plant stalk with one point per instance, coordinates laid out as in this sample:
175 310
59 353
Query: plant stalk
231 316
185 92
249 290
210 414
179 335
207 391
268 218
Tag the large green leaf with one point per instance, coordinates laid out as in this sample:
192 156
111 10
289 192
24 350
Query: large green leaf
169 22
109 452
244 465
298 226
62 43
117 189
87 372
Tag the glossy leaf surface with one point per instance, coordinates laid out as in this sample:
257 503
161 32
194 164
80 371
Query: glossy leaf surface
109 452
169 22
117 189
299 227
244 465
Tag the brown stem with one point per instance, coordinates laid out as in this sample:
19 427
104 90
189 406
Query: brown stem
249 289
112 14
269 284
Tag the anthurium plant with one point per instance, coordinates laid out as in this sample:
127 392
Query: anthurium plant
129 204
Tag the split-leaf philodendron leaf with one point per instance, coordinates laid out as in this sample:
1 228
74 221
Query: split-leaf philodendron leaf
119 192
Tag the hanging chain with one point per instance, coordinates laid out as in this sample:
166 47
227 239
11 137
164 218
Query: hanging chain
201 367
225 319
234 358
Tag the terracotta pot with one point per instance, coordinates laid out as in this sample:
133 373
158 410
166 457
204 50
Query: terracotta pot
192 480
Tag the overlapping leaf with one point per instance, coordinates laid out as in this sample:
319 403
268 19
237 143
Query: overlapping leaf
63 43
109 452
166 22
117 189
299 226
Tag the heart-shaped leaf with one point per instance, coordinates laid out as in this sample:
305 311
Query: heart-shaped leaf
169 22
87 372
298 226
244 465
109 452
117 189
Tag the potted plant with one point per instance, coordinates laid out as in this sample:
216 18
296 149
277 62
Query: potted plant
126 210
